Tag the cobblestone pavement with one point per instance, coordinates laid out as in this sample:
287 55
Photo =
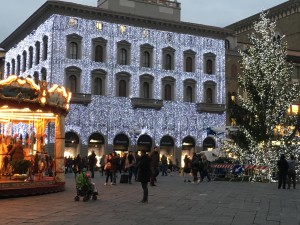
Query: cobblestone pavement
171 202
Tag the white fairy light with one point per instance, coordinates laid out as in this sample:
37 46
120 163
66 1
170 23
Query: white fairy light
110 115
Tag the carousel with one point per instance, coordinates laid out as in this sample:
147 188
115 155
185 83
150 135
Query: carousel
27 110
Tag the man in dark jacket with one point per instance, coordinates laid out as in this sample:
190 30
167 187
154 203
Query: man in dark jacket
92 162
144 174
154 165
283 167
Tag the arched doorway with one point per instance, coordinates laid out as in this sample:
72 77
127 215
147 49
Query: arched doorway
209 144
188 148
71 144
167 148
144 142
96 143
121 144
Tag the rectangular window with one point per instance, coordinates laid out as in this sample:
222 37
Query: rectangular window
99 25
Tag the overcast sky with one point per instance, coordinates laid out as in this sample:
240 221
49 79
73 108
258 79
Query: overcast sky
218 13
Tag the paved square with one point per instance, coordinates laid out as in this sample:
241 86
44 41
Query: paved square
171 202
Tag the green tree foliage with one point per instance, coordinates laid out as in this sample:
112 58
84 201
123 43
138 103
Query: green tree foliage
268 92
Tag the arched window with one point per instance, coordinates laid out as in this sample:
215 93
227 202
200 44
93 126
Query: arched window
122 84
73 46
123 56
24 57
8 69
209 62
122 88
227 44
168 65
36 77
98 86
13 66
18 64
98 53
44 74
189 94
73 50
73 78
146 90
209 65
73 83
123 52
146 59
146 54
209 95
45 47
30 62
98 82
37 52
189 87
189 64
168 57
168 92
99 49
146 86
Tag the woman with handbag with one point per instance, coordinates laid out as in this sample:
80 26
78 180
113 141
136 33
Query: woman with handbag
107 169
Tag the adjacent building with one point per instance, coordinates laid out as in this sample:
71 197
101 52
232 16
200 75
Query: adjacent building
287 17
2 60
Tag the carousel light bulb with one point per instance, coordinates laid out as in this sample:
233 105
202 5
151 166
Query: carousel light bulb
43 100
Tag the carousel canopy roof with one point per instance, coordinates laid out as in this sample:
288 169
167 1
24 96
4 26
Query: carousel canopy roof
22 100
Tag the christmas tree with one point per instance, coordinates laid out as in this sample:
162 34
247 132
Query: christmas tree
261 111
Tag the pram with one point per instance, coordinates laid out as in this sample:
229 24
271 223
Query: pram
85 187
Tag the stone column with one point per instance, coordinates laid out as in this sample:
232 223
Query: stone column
59 148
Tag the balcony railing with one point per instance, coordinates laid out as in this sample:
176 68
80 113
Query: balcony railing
81 98
146 103
211 108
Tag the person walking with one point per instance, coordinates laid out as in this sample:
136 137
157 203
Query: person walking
205 168
154 165
107 169
135 169
129 165
164 165
144 173
186 168
78 164
92 160
114 167
292 172
195 168
102 164
283 167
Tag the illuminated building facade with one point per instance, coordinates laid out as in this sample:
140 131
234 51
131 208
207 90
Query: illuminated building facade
136 81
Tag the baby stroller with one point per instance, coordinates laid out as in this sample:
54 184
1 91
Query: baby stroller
85 187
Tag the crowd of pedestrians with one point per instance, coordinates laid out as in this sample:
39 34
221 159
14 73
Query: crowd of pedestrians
286 171
198 166
145 167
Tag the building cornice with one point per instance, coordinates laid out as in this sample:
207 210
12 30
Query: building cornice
231 52
88 12
275 13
